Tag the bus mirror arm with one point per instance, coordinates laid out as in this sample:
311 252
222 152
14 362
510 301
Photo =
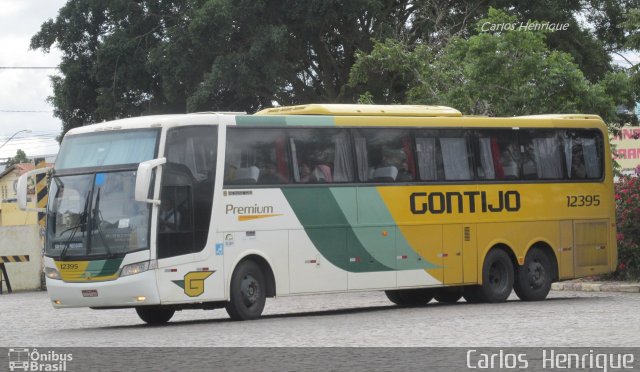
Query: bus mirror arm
143 179
22 186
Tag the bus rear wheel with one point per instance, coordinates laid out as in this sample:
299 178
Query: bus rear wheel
533 279
247 293
155 314
448 295
410 297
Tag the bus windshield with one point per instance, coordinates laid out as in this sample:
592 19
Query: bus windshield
107 148
93 215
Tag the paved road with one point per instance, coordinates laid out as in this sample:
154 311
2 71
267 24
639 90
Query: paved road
356 319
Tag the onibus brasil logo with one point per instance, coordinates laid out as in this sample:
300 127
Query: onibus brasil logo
24 359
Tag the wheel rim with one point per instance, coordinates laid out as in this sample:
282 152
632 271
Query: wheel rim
536 274
498 277
250 290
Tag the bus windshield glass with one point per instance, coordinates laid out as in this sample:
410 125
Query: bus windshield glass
95 215
107 149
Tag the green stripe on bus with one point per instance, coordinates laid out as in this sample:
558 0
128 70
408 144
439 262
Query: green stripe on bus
330 231
266 121
373 211
278 121
107 267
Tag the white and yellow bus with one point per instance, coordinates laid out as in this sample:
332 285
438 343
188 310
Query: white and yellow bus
211 210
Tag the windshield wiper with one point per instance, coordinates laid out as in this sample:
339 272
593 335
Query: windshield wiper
95 218
74 229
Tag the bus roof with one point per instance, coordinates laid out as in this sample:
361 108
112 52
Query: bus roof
362 110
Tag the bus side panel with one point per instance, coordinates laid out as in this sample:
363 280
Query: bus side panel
425 246
591 247
309 270
470 255
452 253
565 250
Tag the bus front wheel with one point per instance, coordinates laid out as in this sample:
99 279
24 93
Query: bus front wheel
155 314
248 292
410 297
533 279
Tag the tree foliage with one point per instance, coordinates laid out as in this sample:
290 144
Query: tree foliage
21 157
125 58
500 73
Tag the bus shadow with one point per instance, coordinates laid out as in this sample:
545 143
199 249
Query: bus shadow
338 312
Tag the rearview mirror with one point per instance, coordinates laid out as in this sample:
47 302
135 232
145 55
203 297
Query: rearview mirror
23 183
143 179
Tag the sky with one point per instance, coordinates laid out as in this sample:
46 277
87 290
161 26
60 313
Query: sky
26 90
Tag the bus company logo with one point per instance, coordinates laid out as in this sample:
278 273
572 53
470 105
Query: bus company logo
24 359
464 202
250 212
193 283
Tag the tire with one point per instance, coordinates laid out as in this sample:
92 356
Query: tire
410 297
448 295
248 292
155 314
533 279
497 277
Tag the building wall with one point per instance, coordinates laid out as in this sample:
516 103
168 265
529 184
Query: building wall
7 185
11 215
20 240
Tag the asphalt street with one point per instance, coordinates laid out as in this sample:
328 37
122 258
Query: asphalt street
587 319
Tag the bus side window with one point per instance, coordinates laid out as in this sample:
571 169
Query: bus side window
583 154
541 157
498 154
321 155
256 156
385 155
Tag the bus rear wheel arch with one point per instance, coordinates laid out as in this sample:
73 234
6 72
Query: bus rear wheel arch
533 279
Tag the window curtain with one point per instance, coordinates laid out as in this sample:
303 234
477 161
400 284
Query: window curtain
548 159
342 161
568 153
426 149
486 159
455 159
362 158
591 160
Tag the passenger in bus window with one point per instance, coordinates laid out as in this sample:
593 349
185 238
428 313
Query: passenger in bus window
510 162
269 175
404 174
578 169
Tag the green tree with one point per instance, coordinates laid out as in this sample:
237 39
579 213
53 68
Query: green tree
21 157
126 58
499 73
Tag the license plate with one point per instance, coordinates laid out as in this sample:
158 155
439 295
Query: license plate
89 293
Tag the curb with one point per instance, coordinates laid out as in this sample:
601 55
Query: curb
597 287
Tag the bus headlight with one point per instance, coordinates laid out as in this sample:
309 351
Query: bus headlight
52 273
135 268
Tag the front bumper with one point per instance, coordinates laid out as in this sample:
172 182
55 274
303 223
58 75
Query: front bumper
125 291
